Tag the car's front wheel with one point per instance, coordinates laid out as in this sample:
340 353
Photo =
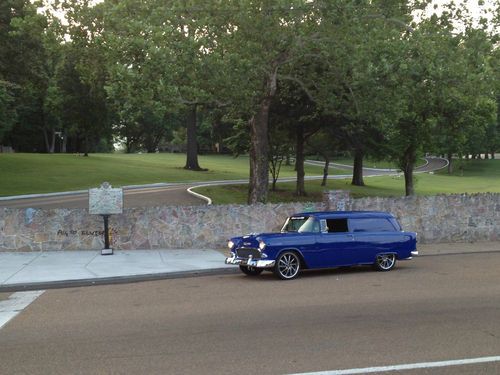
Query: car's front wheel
251 271
385 262
287 265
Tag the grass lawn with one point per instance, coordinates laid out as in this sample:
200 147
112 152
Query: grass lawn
43 173
479 176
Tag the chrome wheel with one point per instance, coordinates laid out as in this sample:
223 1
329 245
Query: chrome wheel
385 262
287 266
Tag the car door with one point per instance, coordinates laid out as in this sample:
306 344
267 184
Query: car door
334 244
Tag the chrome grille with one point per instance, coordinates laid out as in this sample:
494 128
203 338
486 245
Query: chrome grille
245 253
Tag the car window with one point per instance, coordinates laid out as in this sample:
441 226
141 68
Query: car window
311 225
301 224
371 225
396 224
336 225
324 227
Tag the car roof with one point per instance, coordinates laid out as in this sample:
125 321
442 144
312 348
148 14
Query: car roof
345 214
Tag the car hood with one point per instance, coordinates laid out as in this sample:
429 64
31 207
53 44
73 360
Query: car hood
252 240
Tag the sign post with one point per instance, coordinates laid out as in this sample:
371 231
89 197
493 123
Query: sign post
106 201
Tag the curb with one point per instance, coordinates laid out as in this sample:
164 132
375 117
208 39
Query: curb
60 284
198 195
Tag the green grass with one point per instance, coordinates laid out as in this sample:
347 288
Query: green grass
479 176
43 173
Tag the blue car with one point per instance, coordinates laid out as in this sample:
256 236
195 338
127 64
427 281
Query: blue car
312 240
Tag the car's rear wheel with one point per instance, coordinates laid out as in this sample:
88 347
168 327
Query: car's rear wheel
251 271
287 265
385 262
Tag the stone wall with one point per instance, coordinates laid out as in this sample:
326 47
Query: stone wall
442 218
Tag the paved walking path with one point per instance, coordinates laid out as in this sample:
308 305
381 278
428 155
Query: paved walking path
41 270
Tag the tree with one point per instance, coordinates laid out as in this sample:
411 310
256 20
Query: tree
326 144
357 86
167 53
25 65
263 39
7 109
86 29
465 104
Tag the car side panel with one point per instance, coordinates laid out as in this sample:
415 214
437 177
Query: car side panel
304 243
333 249
369 244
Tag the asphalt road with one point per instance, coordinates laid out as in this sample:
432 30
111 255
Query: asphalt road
433 308
137 197
175 194
432 164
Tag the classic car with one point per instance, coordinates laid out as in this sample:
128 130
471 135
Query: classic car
312 240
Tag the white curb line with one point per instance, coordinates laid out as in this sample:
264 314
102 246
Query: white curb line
411 366
16 303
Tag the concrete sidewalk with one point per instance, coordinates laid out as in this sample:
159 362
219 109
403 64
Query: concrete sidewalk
28 271
23 271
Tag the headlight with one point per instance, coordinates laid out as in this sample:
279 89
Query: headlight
230 244
262 245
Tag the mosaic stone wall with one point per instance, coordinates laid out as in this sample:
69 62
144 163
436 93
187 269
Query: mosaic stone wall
442 218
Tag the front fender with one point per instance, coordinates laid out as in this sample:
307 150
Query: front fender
295 250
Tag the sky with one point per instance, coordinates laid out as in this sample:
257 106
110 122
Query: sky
473 6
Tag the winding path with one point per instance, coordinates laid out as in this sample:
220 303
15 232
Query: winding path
173 194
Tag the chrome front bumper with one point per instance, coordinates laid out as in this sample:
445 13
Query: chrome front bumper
257 263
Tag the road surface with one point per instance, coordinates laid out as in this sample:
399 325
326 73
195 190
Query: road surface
428 310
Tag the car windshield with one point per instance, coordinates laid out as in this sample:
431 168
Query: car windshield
300 224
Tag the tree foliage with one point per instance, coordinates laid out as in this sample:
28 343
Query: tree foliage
392 79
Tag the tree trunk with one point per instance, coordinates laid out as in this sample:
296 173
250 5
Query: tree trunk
408 165
357 171
275 166
492 155
46 139
409 189
86 146
128 145
259 154
150 144
450 166
192 143
64 141
53 142
300 190
325 170
259 144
